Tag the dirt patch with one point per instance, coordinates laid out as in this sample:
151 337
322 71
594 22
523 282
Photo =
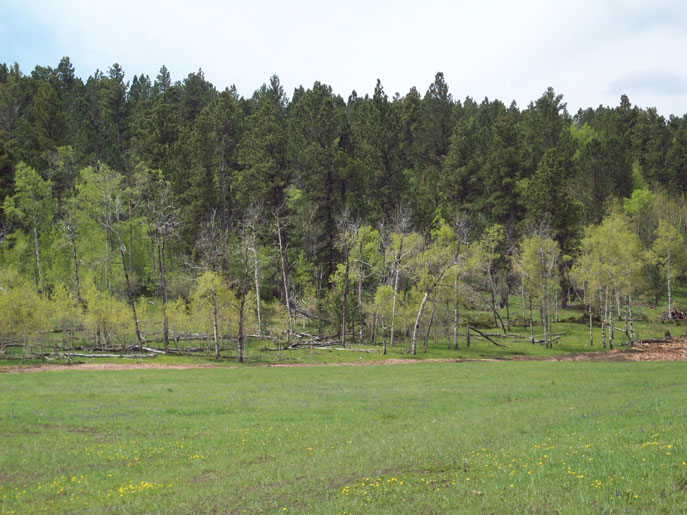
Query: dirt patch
390 361
676 350
69 429
203 478
104 366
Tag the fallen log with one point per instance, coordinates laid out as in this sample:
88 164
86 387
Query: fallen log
313 337
60 330
310 315
194 351
656 340
374 351
306 344
70 355
180 337
271 349
485 336
263 337
311 343
555 338
154 351
102 349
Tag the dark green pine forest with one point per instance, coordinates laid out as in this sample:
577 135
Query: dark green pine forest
146 209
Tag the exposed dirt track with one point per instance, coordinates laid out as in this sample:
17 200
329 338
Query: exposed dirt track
675 350
104 366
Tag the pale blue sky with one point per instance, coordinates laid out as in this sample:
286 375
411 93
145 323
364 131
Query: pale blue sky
590 51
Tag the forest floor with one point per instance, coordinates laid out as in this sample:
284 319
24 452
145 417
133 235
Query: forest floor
675 350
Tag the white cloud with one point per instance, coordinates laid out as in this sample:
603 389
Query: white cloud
659 82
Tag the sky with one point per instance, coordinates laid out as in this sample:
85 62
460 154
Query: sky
591 51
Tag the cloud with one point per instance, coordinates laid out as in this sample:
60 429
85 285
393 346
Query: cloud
640 15
654 82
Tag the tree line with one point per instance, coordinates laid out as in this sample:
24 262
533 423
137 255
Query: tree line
367 217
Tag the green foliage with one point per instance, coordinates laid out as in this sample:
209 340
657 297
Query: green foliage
638 181
538 266
303 277
211 290
382 301
32 204
435 259
65 310
262 150
668 251
365 254
582 136
639 203
107 318
22 308
179 316
611 257
668 248
549 199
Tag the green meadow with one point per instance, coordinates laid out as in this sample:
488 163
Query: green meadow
417 437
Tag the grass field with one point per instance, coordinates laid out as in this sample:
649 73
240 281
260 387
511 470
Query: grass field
419 437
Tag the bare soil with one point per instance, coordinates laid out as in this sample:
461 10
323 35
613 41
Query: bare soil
675 350
42 367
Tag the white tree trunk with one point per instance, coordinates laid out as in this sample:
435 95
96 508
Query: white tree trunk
522 294
38 258
610 329
417 323
670 297
545 310
256 274
285 280
632 325
531 321
215 329
603 309
397 273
